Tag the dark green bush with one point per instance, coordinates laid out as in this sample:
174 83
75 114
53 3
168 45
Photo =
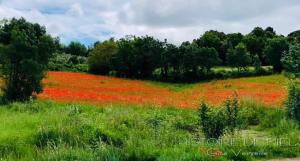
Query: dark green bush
216 120
293 102
212 121
232 114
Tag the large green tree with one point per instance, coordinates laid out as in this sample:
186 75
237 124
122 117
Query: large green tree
214 39
188 52
256 40
170 61
294 37
76 48
274 51
25 52
138 57
207 58
100 57
239 57
234 38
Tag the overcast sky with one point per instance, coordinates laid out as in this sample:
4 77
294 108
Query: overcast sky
177 20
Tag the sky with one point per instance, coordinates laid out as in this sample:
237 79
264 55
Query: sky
88 21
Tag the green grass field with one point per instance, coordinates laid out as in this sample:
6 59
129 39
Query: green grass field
50 131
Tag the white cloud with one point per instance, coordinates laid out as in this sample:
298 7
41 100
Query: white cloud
176 20
76 10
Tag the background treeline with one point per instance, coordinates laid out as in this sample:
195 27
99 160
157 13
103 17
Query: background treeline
212 55
206 57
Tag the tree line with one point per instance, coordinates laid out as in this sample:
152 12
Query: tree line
146 57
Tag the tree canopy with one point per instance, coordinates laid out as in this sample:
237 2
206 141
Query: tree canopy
76 48
25 51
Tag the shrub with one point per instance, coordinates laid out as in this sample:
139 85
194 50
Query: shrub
215 121
231 114
67 62
212 121
293 102
291 59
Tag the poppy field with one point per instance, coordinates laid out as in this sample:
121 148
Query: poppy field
85 88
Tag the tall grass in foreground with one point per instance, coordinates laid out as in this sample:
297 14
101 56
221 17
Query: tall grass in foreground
51 131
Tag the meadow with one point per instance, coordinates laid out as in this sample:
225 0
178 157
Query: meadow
86 117
49 131
92 89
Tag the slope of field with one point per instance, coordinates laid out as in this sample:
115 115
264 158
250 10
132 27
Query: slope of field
86 88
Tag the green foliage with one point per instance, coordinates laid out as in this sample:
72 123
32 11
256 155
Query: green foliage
291 60
284 126
271 118
26 49
137 57
238 57
212 122
234 38
207 58
275 50
257 64
198 61
100 58
215 121
294 37
256 42
232 114
252 113
67 62
213 39
170 62
292 66
76 48
293 102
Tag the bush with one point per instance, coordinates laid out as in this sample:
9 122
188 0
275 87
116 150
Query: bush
212 121
291 59
215 121
293 102
67 62
231 114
